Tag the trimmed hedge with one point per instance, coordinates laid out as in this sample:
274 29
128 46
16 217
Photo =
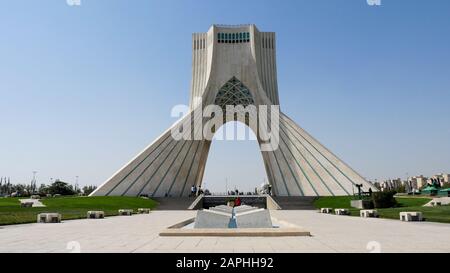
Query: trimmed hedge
384 199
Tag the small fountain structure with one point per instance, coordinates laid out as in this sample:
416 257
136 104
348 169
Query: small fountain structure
242 220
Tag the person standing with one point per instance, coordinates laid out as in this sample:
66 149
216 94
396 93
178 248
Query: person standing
193 190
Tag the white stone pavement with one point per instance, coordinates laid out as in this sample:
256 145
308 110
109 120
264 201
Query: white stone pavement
139 233
444 201
36 203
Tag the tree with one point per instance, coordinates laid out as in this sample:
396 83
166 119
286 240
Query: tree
21 190
43 189
60 187
89 189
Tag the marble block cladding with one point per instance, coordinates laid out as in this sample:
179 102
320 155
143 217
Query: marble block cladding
238 217
259 218
212 219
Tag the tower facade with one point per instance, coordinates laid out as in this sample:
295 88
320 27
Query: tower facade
234 65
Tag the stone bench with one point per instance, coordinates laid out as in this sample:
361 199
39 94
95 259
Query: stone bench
95 214
411 216
125 212
26 204
35 196
144 210
341 212
368 213
326 210
49 218
436 203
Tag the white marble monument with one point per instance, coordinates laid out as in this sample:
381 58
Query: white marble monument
234 65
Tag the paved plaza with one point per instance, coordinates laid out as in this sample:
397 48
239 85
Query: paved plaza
139 233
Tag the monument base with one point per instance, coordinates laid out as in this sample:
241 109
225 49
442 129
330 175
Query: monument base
234 222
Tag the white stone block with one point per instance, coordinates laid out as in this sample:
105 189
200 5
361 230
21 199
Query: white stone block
341 212
95 214
144 210
125 212
49 218
411 216
368 213
326 210
436 203
26 204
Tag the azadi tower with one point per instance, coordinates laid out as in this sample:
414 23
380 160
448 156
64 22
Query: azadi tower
234 65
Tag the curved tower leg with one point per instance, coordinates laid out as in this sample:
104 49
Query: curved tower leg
167 167
302 166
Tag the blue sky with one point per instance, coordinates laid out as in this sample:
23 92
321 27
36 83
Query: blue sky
83 89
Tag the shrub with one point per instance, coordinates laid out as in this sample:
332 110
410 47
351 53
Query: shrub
60 187
384 199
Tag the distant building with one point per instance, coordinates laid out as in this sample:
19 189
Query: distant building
418 182
391 184
413 183
441 178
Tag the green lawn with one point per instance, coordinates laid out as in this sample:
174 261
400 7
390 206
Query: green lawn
9 202
334 202
412 201
432 214
69 207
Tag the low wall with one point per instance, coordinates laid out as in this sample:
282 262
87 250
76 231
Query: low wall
254 201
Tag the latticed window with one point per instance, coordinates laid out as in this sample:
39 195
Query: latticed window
232 38
234 93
